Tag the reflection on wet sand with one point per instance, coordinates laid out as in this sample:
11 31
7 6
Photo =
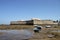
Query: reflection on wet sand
15 34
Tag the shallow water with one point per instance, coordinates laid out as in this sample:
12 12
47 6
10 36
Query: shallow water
15 34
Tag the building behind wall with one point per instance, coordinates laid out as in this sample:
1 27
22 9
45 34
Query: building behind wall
45 22
22 24
28 22
34 22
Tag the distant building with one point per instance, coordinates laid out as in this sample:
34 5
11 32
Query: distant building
28 22
34 22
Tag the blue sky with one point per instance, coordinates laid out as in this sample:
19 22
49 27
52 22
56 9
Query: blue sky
11 10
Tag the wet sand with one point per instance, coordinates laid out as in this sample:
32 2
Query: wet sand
15 34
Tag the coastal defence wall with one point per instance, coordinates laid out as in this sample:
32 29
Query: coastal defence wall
16 27
3 27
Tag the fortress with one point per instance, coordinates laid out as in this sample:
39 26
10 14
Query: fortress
26 24
34 21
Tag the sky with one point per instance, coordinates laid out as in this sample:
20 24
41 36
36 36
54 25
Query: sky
14 10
